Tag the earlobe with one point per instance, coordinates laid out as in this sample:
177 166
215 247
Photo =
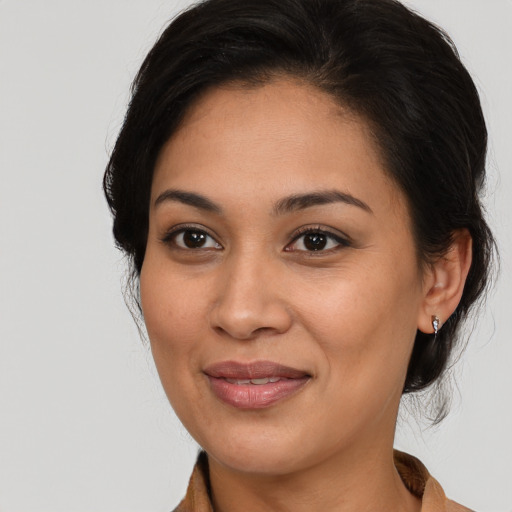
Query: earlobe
445 282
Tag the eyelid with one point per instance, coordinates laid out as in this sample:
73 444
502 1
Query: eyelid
171 233
342 239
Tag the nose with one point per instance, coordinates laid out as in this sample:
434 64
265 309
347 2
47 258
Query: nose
251 301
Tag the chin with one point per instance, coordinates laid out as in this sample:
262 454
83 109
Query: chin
256 452
255 458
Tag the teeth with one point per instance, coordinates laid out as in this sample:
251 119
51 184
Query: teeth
241 382
259 381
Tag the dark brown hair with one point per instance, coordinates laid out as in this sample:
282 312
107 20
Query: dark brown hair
387 64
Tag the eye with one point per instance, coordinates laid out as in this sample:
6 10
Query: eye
191 238
316 240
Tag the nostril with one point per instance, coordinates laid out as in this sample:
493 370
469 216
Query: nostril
243 334
263 330
243 312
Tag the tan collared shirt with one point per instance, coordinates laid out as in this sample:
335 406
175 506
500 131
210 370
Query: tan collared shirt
414 475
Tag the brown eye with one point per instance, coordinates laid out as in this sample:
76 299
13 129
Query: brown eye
192 239
315 241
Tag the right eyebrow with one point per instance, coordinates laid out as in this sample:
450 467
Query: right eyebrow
188 198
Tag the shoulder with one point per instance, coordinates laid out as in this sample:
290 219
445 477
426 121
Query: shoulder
451 506
422 484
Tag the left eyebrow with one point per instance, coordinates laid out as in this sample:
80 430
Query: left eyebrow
302 201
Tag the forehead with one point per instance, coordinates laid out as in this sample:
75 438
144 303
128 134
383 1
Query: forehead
266 140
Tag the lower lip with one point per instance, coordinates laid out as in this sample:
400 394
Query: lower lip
255 396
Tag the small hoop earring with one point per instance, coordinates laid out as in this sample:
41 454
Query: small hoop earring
435 325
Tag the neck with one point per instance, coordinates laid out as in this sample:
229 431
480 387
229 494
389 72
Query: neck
354 481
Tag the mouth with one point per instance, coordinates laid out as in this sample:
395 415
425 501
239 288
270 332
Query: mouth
257 382
255 385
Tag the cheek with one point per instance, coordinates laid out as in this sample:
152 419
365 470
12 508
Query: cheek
169 312
364 318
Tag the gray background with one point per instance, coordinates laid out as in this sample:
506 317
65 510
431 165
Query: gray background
84 425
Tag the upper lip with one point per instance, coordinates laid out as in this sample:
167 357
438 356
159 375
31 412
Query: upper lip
254 370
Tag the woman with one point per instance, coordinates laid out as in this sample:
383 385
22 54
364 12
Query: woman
296 185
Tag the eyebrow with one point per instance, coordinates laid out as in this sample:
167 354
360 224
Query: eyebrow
285 205
190 199
302 201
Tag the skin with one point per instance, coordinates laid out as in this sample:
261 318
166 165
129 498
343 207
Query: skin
347 315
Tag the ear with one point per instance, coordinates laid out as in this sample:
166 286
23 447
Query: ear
444 282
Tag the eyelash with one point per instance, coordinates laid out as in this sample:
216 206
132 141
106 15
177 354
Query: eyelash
170 238
341 241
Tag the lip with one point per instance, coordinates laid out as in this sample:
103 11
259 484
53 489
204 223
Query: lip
246 395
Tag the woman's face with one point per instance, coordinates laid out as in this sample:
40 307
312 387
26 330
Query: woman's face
279 249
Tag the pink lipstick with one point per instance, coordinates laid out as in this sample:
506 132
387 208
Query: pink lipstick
254 385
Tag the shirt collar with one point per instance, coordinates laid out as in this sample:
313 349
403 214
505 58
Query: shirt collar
413 473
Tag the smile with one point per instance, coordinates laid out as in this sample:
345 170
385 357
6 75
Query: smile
254 386
258 382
